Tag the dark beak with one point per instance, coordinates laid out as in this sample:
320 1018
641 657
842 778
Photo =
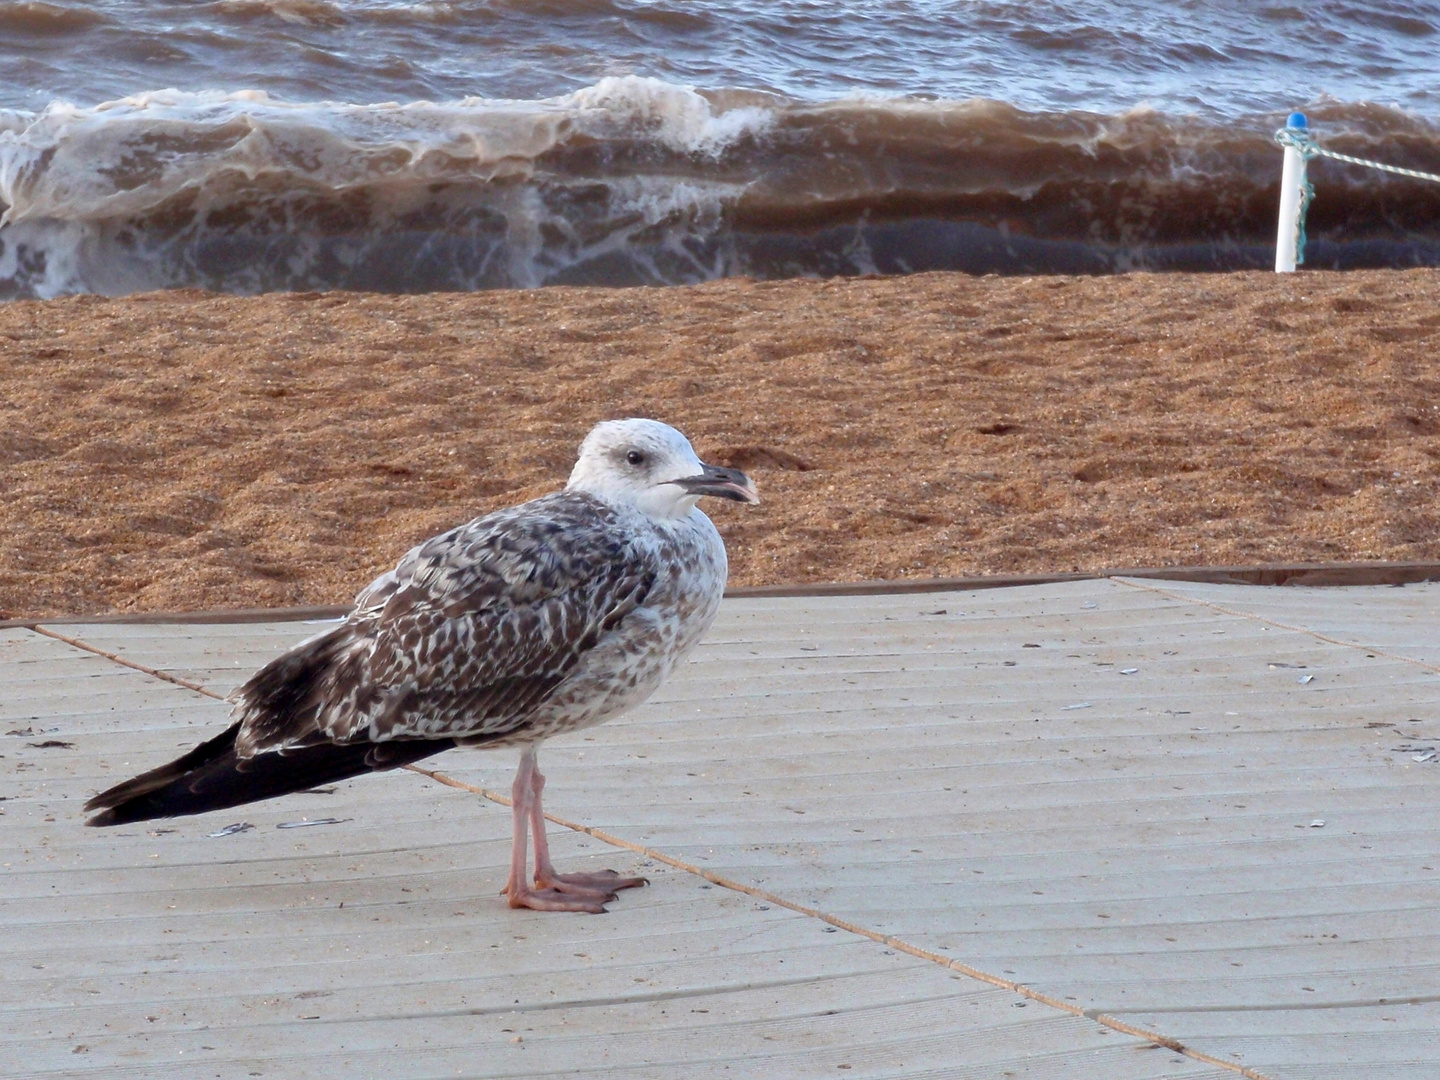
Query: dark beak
721 482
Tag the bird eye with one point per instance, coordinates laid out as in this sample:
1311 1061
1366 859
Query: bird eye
635 457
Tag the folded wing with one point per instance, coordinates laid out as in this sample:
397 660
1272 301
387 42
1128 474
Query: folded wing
464 639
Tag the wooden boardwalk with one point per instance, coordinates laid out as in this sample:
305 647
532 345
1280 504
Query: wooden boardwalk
1098 829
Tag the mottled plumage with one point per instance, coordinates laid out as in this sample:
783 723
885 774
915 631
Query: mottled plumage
529 622
472 634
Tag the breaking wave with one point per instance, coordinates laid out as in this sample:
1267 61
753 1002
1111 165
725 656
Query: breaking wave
638 181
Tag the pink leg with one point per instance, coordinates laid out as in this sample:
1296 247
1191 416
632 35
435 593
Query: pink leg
552 894
601 883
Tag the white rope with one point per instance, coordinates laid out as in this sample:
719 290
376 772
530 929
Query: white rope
1301 141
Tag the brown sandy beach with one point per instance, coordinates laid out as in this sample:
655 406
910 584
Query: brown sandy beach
181 451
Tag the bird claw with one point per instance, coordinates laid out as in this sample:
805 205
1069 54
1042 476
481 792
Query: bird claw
598 881
588 892
591 901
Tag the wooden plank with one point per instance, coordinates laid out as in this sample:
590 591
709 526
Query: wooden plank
376 946
1398 621
1155 847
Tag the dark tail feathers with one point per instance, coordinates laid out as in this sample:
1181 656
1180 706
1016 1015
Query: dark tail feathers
211 777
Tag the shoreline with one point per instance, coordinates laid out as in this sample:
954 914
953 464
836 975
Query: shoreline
185 451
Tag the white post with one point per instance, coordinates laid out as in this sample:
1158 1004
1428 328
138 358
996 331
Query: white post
1292 187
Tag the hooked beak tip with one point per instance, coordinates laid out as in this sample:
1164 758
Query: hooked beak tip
722 483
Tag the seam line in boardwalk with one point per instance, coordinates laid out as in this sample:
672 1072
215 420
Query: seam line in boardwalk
152 672
898 944
1278 625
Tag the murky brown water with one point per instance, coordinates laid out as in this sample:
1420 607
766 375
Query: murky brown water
253 145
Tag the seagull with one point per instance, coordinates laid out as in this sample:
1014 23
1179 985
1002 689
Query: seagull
533 621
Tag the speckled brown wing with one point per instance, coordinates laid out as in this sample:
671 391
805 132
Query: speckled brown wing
471 631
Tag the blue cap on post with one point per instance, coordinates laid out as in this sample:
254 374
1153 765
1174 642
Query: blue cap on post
1297 120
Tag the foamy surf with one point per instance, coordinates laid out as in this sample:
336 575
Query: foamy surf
640 181
241 192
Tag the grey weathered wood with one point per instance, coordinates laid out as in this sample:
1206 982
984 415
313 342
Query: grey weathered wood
378 946
1150 857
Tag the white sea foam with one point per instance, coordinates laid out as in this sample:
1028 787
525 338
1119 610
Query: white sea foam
682 119
144 176
128 156
631 180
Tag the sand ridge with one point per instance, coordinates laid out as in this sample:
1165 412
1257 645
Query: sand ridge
182 451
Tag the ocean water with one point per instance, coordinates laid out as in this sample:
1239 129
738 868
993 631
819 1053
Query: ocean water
251 145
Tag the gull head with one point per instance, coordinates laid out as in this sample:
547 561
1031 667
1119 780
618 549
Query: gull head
652 467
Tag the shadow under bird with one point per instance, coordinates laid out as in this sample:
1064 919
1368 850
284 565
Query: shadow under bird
536 620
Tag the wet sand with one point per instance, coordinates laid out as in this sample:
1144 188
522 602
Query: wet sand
183 451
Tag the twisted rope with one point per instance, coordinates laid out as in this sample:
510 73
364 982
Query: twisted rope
1300 140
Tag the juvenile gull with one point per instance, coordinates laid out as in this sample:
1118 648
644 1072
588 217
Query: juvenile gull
540 619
